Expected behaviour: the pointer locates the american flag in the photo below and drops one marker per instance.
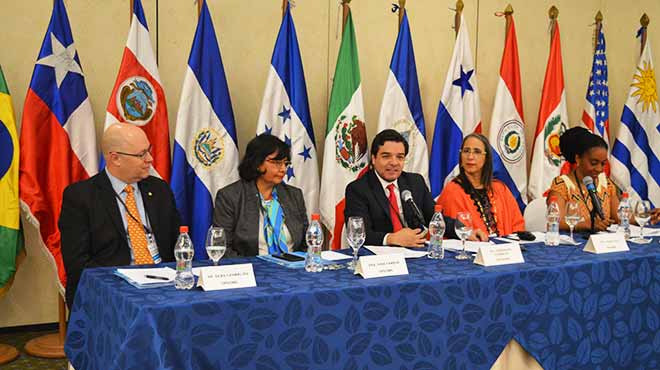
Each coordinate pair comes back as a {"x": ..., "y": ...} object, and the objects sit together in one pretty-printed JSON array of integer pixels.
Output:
[{"x": 596, "y": 116}]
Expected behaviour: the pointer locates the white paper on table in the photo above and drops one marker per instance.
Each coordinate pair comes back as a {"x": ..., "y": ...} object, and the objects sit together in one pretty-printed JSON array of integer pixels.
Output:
[
  {"x": 407, "y": 253},
  {"x": 635, "y": 230},
  {"x": 470, "y": 246},
  {"x": 334, "y": 256},
  {"x": 139, "y": 276}
]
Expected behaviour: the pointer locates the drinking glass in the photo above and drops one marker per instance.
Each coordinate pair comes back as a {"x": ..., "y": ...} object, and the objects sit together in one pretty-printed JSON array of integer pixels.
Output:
[
  {"x": 216, "y": 243},
  {"x": 463, "y": 227},
  {"x": 355, "y": 234},
  {"x": 642, "y": 216},
  {"x": 572, "y": 216}
]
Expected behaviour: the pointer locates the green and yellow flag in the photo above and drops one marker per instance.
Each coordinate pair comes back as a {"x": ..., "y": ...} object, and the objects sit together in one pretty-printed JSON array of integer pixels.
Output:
[{"x": 11, "y": 236}]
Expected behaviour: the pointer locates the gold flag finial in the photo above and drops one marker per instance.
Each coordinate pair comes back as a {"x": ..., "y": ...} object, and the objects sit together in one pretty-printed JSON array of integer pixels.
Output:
[
  {"x": 599, "y": 17},
  {"x": 553, "y": 12},
  {"x": 508, "y": 10},
  {"x": 459, "y": 5},
  {"x": 644, "y": 21}
]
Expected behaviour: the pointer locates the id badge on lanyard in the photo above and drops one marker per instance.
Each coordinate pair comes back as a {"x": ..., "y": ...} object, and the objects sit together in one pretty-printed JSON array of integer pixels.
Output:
[{"x": 153, "y": 248}]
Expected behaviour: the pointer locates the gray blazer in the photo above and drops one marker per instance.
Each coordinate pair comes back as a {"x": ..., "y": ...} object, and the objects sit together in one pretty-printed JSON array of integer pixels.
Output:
[{"x": 237, "y": 211}]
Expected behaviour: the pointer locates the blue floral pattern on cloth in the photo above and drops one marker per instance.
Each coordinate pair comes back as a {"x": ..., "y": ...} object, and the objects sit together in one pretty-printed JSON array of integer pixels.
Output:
[{"x": 567, "y": 308}]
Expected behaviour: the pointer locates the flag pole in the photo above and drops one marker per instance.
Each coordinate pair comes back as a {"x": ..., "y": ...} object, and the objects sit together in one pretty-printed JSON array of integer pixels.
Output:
[
  {"x": 644, "y": 21},
  {"x": 402, "y": 10},
  {"x": 599, "y": 26},
  {"x": 50, "y": 345},
  {"x": 508, "y": 12},
  {"x": 345, "y": 8},
  {"x": 130, "y": 11},
  {"x": 285, "y": 3},
  {"x": 553, "y": 13},
  {"x": 457, "y": 17},
  {"x": 199, "y": 7}
]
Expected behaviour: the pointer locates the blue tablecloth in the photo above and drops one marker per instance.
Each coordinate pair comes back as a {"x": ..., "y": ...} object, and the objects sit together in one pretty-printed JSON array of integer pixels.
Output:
[{"x": 567, "y": 308}]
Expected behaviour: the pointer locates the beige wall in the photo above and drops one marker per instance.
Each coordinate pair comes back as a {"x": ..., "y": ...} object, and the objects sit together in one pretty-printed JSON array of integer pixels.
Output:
[{"x": 247, "y": 29}]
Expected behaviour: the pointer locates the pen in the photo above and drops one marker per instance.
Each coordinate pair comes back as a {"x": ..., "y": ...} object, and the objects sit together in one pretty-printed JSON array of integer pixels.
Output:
[{"x": 157, "y": 277}]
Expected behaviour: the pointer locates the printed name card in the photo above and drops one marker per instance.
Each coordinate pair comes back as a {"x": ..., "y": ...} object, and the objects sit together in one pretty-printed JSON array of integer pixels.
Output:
[
  {"x": 606, "y": 243},
  {"x": 381, "y": 265},
  {"x": 499, "y": 254},
  {"x": 227, "y": 277}
]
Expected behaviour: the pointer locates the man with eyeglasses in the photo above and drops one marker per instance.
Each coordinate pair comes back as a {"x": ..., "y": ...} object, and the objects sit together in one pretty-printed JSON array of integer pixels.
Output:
[{"x": 120, "y": 216}]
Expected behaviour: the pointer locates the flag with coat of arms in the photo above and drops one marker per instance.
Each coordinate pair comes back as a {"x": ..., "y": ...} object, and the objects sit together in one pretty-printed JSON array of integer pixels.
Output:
[
  {"x": 58, "y": 136},
  {"x": 459, "y": 113},
  {"x": 138, "y": 96},
  {"x": 552, "y": 121},
  {"x": 401, "y": 108},
  {"x": 285, "y": 112},
  {"x": 345, "y": 155},
  {"x": 507, "y": 126},
  {"x": 634, "y": 162},
  {"x": 205, "y": 157}
]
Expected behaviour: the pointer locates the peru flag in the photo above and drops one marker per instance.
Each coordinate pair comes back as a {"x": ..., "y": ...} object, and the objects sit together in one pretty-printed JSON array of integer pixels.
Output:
[
  {"x": 138, "y": 96},
  {"x": 58, "y": 139}
]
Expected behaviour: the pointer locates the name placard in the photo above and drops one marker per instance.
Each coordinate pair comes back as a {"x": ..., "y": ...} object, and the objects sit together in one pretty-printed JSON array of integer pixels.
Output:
[
  {"x": 381, "y": 265},
  {"x": 606, "y": 243},
  {"x": 499, "y": 254},
  {"x": 227, "y": 277}
]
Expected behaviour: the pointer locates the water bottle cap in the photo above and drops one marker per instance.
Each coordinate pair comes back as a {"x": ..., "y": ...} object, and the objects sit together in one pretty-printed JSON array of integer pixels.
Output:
[
  {"x": 183, "y": 229},
  {"x": 316, "y": 217},
  {"x": 438, "y": 208},
  {"x": 625, "y": 195}
]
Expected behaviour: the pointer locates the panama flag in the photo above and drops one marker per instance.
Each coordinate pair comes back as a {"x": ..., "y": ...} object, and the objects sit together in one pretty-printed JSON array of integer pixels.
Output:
[
  {"x": 138, "y": 96},
  {"x": 11, "y": 235},
  {"x": 402, "y": 106},
  {"x": 634, "y": 163},
  {"x": 58, "y": 139},
  {"x": 205, "y": 147},
  {"x": 546, "y": 156},
  {"x": 345, "y": 155},
  {"x": 507, "y": 127},
  {"x": 458, "y": 113},
  {"x": 285, "y": 112}
]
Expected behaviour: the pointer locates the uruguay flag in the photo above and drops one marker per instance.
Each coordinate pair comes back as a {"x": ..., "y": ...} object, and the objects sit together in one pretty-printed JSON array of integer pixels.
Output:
[
  {"x": 458, "y": 114},
  {"x": 205, "y": 147},
  {"x": 58, "y": 139},
  {"x": 285, "y": 112},
  {"x": 634, "y": 164},
  {"x": 507, "y": 127},
  {"x": 401, "y": 109},
  {"x": 138, "y": 96}
]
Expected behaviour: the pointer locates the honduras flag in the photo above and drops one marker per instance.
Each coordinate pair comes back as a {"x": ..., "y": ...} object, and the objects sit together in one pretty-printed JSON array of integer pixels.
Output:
[
  {"x": 285, "y": 112},
  {"x": 401, "y": 109},
  {"x": 634, "y": 163},
  {"x": 205, "y": 147},
  {"x": 507, "y": 130},
  {"x": 458, "y": 114}
]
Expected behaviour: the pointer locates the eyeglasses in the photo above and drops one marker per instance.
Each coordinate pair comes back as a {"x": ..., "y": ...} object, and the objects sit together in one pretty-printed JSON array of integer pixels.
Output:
[
  {"x": 279, "y": 162},
  {"x": 468, "y": 151},
  {"x": 142, "y": 155}
]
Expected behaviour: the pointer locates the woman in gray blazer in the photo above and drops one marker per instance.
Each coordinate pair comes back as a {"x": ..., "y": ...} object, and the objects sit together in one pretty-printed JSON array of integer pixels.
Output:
[{"x": 260, "y": 213}]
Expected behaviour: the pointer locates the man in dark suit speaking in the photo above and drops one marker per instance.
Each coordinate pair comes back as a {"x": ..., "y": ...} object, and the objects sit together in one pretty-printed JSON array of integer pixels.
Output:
[
  {"x": 120, "y": 216},
  {"x": 379, "y": 197}
]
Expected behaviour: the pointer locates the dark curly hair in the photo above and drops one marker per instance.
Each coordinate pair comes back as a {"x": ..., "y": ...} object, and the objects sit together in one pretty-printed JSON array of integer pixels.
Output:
[
  {"x": 256, "y": 152},
  {"x": 578, "y": 140}
]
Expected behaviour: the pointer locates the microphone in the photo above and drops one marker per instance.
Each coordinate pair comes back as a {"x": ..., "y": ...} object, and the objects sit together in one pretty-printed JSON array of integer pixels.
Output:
[
  {"x": 406, "y": 196},
  {"x": 595, "y": 201}
]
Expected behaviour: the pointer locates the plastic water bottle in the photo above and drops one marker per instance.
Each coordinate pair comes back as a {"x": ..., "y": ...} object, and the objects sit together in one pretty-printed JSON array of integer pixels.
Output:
[
  {"x": 183, "y": 252},
  {"x": 314, "y": 238},
  {"x": 552, "y": 223},
  {"x": 437, "y": 231},
  {"x": 624, "y": 212}
]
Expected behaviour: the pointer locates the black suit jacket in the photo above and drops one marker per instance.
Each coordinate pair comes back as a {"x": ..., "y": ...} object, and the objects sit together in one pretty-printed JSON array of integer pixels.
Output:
[
  {"x": 92, "y": 230},
  {"x": 237, "y": 208},
  {"x": 365, "y": 197}
]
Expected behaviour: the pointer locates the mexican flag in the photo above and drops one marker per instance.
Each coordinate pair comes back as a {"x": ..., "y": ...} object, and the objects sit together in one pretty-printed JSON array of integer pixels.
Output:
[
  {"x": 345, "y": 155},
  {"x": 11, "y": 237},
  {"x": 547, "y": 161}
]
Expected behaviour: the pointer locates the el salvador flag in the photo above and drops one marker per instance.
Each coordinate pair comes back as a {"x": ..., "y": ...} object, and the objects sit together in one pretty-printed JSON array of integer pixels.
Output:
[
  {"x": 285, "y": 112},
  {"x": 458, "y": 113},
  {"x": 205, "y": 147}
]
